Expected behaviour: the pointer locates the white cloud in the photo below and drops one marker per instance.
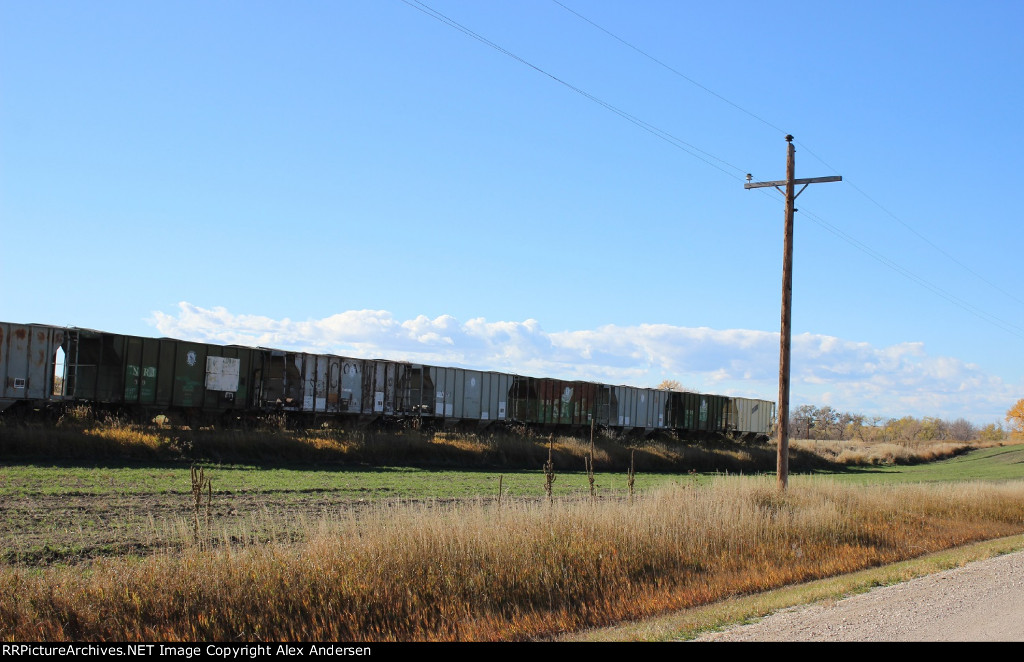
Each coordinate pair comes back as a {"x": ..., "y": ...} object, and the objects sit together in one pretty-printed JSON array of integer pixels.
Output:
[{"x": 897, "y": 380}]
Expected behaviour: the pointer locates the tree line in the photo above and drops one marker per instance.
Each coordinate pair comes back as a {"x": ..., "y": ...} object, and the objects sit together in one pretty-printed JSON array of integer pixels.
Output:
[{"x": 811, "y": 422}]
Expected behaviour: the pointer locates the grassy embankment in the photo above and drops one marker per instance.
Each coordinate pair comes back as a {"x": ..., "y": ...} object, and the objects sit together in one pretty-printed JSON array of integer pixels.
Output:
[
  {"x": 78, "y": 437},
  {"x": 88, "y": 441}
]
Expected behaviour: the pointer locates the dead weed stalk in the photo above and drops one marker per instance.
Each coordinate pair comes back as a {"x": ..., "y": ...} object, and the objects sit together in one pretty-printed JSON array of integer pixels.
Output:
[{"x": 200, "y": 484}]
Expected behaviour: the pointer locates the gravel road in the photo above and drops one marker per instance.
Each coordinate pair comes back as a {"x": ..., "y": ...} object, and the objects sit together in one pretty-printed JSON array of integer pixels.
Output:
[{"x": 982, "y": 601}]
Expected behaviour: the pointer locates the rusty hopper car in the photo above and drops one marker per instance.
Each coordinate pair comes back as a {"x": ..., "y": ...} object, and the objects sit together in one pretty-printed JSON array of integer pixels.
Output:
[
  {"x": 46, "y": 367},
  {"x": 27, "y": 371}
]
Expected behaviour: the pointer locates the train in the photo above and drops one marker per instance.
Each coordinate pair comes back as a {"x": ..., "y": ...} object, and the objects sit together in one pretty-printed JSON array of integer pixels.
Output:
[{"x": 44, "y": 369}]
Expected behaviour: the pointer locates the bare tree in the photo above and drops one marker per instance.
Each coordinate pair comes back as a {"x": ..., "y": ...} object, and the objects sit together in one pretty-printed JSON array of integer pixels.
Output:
[
  {"x": 855, "y": 427},
  {"x": 962, "y": 430},
  {"x": 825, "y": 423},
  {"x": 802, "y": 420}
]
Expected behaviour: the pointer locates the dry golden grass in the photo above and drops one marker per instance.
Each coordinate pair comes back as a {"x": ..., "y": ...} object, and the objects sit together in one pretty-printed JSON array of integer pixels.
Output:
[
  {"x": 527, "y": 570},
  {"x": 130, "y": 438},
  {"x": 861, "y": 453}
]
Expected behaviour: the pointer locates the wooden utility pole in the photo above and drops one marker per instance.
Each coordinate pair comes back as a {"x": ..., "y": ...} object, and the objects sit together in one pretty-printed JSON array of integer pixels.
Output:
[{"x": 782, "y": 462}]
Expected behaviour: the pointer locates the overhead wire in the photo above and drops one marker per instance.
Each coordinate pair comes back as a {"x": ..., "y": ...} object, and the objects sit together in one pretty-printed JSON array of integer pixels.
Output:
[
  {"x": 714, "y": 161},
  {"x": 860, "y": 245},
  {"x": 910, "y": 228},
  {"x": 998, "y": 322},
  {"x": 694, "y": 151},
  {"x": 667, "y": 66}
]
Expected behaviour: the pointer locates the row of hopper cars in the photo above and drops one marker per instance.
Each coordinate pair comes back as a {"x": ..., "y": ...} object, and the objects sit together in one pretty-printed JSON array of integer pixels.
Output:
[{"x": 44, "y": 368}]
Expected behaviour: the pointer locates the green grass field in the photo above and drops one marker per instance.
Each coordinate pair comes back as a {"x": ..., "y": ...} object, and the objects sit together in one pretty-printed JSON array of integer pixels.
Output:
[
  {"x": 26, "y": 480},
  {"x": 996, "y": 463},
  {"x": 346, "y": 482}
]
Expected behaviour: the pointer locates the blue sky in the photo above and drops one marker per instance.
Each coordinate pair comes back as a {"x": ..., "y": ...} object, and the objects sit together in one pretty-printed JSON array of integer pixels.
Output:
[{"x": 363, "y": 178}]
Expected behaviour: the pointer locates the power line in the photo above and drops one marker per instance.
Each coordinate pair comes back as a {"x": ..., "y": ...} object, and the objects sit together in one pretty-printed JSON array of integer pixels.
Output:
[
  {"x": 666, "y": 66},
  {"x": 690, "y": 149},
  {"x": 704, "y": 156},
  {"x": 919, "y": 235},
  {"x": 967, "y": 306},
  {"x": 935, "y": 289}
]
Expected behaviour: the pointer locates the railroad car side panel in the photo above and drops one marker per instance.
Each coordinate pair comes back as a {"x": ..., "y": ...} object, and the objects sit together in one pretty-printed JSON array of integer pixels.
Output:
[
  {"x": 472, "y": 395},
  {"x": 494, "y": 396},
  {"x": 28, "y": 362}
]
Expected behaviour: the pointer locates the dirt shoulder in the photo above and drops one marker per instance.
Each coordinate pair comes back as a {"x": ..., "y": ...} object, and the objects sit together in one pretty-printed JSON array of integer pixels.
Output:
[
  {"x": 969, "y": 593},
  {"x": 982, "y": 601}
]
